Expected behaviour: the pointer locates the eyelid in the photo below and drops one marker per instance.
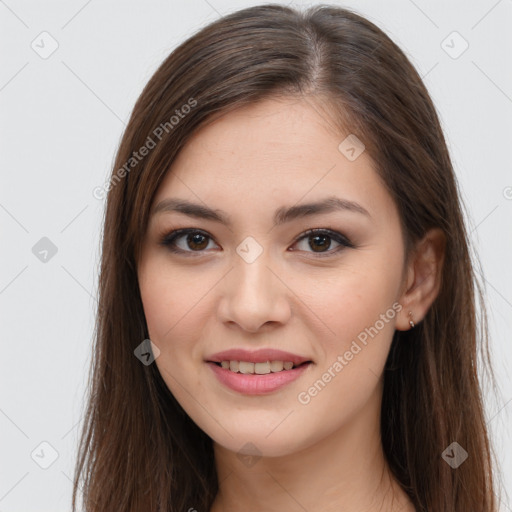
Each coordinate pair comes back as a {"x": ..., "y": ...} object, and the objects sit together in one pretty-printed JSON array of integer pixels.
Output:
[{"x": 169, "y": 237}]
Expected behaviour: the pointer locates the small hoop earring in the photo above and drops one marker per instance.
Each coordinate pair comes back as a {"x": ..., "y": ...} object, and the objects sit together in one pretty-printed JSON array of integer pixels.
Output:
[{"x": 411, "y": 323}]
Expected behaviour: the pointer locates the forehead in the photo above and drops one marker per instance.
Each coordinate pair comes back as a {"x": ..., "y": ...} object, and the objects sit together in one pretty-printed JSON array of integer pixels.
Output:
[
  {"x": 271, "y": 152},
  {"x": 275, "y": 128}
]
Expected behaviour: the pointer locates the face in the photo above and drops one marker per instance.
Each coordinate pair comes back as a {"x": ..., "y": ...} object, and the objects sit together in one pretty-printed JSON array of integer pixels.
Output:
[{"x": 257, "y": 280}]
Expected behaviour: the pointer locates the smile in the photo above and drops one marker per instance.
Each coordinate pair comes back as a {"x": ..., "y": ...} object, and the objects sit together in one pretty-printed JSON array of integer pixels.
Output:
[
  {"x": 257, "y": 378},
  {"x": 257, "y": 368}
]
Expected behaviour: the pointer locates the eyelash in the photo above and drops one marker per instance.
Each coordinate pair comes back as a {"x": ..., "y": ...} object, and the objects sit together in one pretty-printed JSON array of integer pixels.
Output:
[{"x": 169, "y": 239}]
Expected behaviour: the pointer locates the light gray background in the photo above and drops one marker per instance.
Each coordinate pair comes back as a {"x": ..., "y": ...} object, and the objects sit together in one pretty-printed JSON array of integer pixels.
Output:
[{"x": 61, "y": 120}]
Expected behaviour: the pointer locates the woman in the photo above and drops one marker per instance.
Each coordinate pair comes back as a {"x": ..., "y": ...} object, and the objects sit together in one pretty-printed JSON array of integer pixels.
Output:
[{"x": 287, "y": 318}]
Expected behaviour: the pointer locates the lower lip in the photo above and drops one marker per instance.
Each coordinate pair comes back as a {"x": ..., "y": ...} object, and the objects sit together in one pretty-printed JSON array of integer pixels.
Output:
[{"x": 254, "y": 384}]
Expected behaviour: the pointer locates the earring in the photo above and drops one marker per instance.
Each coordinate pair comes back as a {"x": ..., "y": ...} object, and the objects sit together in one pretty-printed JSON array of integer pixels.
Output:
[{"x": 411, "y": 323}]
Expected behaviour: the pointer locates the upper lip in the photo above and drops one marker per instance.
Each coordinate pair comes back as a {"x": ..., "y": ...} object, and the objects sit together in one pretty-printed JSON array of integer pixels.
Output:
[{"x": 256, "y": 356}]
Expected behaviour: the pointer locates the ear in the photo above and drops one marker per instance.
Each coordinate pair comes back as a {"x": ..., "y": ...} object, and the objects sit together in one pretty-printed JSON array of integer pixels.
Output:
[{"x": 422, "y": 278}]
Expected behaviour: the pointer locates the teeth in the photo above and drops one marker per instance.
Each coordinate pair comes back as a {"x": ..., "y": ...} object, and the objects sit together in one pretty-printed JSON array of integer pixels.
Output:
[
  {"x": 276, "y": 366},
  {"x": 262, "y": 368},
  {"x": 244, "y": 367},
  {"x": 257, "y": 368}
]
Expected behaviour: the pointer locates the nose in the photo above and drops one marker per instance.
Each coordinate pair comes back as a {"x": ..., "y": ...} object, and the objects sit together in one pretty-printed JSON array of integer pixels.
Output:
[{"x": 254, "y": 295}]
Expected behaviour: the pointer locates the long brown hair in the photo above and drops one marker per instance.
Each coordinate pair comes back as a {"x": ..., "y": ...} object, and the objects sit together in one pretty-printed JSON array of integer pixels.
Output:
[{"x": 139, "y": 450}]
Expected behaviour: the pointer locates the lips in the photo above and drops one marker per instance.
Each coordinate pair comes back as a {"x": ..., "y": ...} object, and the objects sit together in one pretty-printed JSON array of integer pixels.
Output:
[
  {"x": 257, "y": 356},
  {"x": 254, "y": 384}
]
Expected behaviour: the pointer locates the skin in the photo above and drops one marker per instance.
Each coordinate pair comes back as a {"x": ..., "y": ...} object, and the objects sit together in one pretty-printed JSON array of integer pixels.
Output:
[{"x": 325, "y": 455}]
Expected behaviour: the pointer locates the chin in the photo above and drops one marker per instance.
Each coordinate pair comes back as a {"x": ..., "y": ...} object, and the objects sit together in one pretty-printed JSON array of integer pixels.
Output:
[{"x": 259, "y": 443}]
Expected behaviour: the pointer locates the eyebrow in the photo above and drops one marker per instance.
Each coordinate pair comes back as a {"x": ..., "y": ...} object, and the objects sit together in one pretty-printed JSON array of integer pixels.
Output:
[{"x": 281, "y": 216}]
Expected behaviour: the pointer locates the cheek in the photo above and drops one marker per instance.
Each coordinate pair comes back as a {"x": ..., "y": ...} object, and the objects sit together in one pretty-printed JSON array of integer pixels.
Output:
[
  {"x": 360, "y": 312},
  {"x": 168, "y": 307},
  {"x": 167, "y": 296},
  {"x": 352, "y": 300},
  {"x": 159, "y": 307},
  {"x": 177, "y": 307}
]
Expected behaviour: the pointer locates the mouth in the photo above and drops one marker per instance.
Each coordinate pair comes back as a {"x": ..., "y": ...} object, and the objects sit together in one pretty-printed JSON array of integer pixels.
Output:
[
  {"x": 257, "y": 372},
  {"x": 258, "y": 368},
  {"x": 261, "y": 378}
]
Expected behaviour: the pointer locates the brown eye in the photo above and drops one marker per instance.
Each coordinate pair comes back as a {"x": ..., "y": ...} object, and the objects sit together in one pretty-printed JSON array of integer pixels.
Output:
[
  {"x": 320, "y": 241},
  {"x": 323, "y": 242},
  {"x": 196, "y": 241},
  {"x": 193, "y": 241}
]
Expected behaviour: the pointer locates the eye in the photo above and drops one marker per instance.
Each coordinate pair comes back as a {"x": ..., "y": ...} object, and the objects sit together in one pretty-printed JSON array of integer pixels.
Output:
[
  {"x": 195, "y": 238},
  {"x": 195, "y": 241},
  {"x": 321, "y": 239}
]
